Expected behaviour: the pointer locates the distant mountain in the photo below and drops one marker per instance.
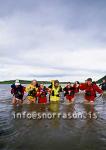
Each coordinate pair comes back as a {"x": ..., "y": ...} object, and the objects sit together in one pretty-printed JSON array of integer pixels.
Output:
[
  {"x": 100, "y": 80},
  {"x": 26, "y": 82},
  {"x": 12, "y": 81},
  {"x": 22, "y": 82},
  {"x": 44, "y": 82}
]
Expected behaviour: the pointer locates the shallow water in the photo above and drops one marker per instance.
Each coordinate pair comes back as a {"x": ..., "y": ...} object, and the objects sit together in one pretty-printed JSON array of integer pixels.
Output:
[{"x": 48, "y": 134}]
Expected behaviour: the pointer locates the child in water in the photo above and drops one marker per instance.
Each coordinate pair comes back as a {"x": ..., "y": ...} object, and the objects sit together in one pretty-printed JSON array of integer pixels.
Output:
[
  {"x": 41, "y": 93},
  {"x": 69, "y": 92},
  {"x": 18, "y": 92}
]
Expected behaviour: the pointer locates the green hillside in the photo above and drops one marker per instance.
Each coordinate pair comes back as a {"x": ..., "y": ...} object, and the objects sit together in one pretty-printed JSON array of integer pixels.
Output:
[
  {"x": 26, "y": 82},
  {"x": 44, "y": 82},
  {"x": 22, "y": 82},
  {"x": 100, "y": 80}
]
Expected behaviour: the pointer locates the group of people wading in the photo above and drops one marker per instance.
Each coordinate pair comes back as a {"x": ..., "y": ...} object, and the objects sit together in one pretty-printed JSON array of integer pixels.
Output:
[{"x": 37, "y": 93}]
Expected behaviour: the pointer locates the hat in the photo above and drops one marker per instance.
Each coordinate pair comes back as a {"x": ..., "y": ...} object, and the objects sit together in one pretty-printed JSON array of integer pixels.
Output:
[
  {"x": 89, "y": 79},
  {"x": 17, "y": 82}
]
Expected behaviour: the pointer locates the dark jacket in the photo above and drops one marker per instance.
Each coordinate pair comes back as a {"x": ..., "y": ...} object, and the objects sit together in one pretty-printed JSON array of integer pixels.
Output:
[
  {"x": 18, "y": 92},
  {"x": 69, "y": 91},
  {"x": 103, "y": 86}
]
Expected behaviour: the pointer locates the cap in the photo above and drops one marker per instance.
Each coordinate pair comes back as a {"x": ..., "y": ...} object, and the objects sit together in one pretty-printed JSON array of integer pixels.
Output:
[{"x": 17, "y": 82}]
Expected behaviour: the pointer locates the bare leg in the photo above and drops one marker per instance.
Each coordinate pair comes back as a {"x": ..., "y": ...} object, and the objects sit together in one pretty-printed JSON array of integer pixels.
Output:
[
  {"x": 14, "y": 101},
  {"x": 92, "y": 102},
  {"x": 72, "y": 100},
  {"x": 69, "y": 101},
  {"x": 20, "y": 102}
]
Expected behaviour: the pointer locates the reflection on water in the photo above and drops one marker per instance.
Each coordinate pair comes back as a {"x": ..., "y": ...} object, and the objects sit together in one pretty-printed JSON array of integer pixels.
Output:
[{"x": 87, "y": 133}]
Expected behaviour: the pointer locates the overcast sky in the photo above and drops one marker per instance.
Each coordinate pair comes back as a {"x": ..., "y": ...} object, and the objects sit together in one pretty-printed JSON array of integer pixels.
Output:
[{"x": 52, "y": 39}]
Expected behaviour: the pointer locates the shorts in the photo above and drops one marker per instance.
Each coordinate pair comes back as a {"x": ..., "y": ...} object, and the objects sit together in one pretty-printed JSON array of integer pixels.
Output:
[
  {"x": 68, "y": 97},
  {"x": 42, "y": 100}
]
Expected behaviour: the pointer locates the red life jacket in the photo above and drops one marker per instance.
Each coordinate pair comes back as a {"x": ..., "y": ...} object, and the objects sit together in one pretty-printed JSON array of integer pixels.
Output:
[
  {"x": 76, "y": 88},
  {"x": 90, "y": 90},
  {"x": 42, "y": 92}
]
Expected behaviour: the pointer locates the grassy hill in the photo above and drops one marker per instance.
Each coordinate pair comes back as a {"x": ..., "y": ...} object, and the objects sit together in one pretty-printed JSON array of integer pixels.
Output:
[
  {"x": 26, "y": 82},
  {"x": 22, "y": 82},
  {"x": 44, "y": 82},
  {"x": 100, "y": 80}
]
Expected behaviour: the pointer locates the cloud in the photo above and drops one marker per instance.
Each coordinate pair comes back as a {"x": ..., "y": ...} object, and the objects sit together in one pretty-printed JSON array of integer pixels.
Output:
[{"x": 62, "y": 40}]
